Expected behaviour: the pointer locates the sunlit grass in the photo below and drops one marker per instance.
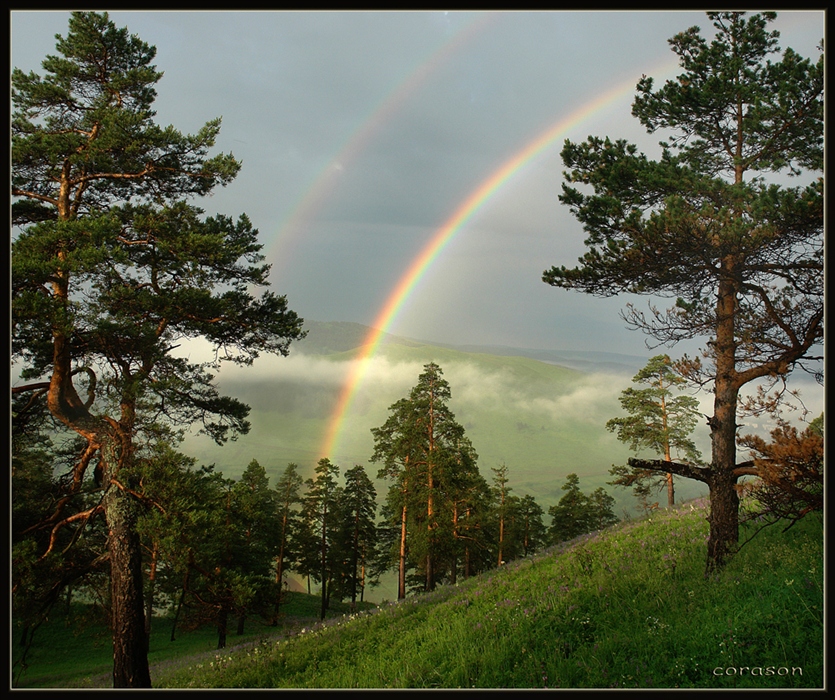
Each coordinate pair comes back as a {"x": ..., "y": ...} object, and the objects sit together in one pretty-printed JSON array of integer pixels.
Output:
[{"x": 629, "y": 607}]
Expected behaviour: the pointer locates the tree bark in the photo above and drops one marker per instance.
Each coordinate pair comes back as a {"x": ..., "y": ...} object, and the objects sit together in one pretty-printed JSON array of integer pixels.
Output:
[
  {"x": 671, "y": 492},
  {"x": 152, "y": 577},
  {"x": 130, "y": 641},
  {"x": 401, "y": 574},
  {"x": 724, "y": 501}
]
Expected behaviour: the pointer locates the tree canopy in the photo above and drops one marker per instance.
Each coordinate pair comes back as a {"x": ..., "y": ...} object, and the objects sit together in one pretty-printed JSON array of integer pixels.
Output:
[
  {"x": 710, "y": 226},
  {"x": 113, "y": 271},
  {"x": 659, "y": 420}
]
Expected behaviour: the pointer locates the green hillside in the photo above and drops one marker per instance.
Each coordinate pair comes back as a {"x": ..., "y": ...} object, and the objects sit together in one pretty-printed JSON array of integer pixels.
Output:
[
  {"x": 543, "y": 420},
  {"x": 628, "y": 607}
]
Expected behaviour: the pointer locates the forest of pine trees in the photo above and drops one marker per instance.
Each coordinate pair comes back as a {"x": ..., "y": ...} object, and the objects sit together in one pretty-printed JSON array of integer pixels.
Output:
[{"x": 219, "y": 551}]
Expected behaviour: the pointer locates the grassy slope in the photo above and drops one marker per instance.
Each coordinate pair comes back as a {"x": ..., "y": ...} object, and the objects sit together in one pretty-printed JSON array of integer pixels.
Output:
[
  {"x": 74, "y": 648},
  {"x": 629, "y": 607}
]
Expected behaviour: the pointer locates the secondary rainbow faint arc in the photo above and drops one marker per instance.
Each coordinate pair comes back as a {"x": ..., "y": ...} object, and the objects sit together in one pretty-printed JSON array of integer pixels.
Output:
[
  {"x": 443, "y": 235},
  {"x": 317, "y": 193}
]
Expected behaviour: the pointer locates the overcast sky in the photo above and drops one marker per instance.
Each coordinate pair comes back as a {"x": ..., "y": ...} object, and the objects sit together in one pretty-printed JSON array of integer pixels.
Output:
[{"x": 362, "y": 133}]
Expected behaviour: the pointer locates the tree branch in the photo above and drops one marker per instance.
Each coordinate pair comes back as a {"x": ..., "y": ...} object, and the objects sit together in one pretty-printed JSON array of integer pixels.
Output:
[{"x": 688, "y": 471}]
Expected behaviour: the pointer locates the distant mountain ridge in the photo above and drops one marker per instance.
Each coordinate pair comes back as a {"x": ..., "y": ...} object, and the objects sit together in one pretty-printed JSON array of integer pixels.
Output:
[{"x": 329, "y": 337}]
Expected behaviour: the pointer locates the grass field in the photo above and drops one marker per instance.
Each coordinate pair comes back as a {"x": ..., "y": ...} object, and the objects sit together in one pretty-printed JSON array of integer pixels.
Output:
[{"x": 629, "y": 607}]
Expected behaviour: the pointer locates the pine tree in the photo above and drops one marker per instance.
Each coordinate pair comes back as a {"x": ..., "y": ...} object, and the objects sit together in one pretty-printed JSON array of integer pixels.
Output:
[
  {"x": 257, "y": 518},
  {"x": 320, "y": 514},
  {"x": 112, "y": 270},
  {"x": 790, "y": 468},
  {"x": 502, "y": 494},
  {"x": 423, "y": 447},
  {"x": 359, "y": 513},
  {"x": 660, "y": 421},
  {"x": 578, "y": 514},
  {"x": 741, "y": 255},
  {"x": 533, "y": 530},
  {"x": 394, "y": 448},
  {"x": 571, "y": 516},
  {"x": 287, "y": 495}
]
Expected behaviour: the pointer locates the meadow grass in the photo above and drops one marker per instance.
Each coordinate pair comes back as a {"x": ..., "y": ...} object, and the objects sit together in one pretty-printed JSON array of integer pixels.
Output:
[
  {"x": 73, "y": 649},
  {"x": 629, "y": 607}
]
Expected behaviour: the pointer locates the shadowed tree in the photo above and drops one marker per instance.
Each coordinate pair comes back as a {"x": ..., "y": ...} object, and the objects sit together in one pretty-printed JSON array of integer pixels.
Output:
[
  {"x": 288, "y": 496},
  {"x": 395, "y": 448},
  {"x": 578, "y": 514},
  {"x": 112, "y": 271},
  {"x": 741, "y": 255},
  {"x": 501, "y": 492},
  {"x": 359, "y": 512},
  {"x": 532, "y": 530},
  {"x": 320, "y": 514},
  {"x": 256, "y": 513},
  {"x": 467, "y": 504}
]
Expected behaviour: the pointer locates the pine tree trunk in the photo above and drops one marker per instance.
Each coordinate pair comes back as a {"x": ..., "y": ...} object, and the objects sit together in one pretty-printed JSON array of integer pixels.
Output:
[
  {"x": 222, "y": 624},
  {"x": 179, "y": 607},
  {"x": 724, "y": 522},
  {"x": 324, "y": 564},
  {"x": 724, "y": 500},
  {"x": 355, "y": 562},
  {"x": 671, "y": 492},
  {"x": 152, "y": 577},
  {"x": 279, "y": 570},
  {"x": 401, "y": 581},
  {"x": 130, "y": 642}
]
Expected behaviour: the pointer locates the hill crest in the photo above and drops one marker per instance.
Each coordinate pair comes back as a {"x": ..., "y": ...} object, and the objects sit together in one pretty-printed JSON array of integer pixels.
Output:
[{"x": 331, "y": 337}]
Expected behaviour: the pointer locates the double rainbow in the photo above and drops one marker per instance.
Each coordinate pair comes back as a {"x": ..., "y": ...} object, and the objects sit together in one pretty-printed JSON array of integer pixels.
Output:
[{"x": 421, "y": 263}]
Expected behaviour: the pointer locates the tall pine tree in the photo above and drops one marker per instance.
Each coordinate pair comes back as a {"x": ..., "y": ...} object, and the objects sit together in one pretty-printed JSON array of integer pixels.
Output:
[
  {"x": 709, "y": 226},
  {"x": 112, "y": 270}
]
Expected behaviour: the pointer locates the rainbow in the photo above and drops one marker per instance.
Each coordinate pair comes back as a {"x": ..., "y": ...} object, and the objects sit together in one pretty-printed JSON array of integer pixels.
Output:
[
  {"x": 465, "y": 211},
  {"x": 291, "y": 228}
]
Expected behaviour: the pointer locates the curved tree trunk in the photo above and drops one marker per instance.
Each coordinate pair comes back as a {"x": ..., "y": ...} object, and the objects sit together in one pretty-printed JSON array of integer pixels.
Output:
[{"x": 130, "y": 640}]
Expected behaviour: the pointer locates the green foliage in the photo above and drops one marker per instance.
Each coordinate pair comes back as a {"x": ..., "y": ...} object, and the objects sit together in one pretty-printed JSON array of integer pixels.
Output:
[
  {"x": 627, "y": 608},
  {"x": 436, "y": 480},
  {"x": 320, "y": 559},
  {"x": 515, "y": 522},
  {"x": 578, "y": 514},
  {"x": 742, "y": 256},
  {"x": 660, "y": 421},
  {"x": 288, "y": 546},
  {"x": 357, "y": 536},
  {"x": 89, "y": 123},
  {"x": 112, "y": 270}
]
